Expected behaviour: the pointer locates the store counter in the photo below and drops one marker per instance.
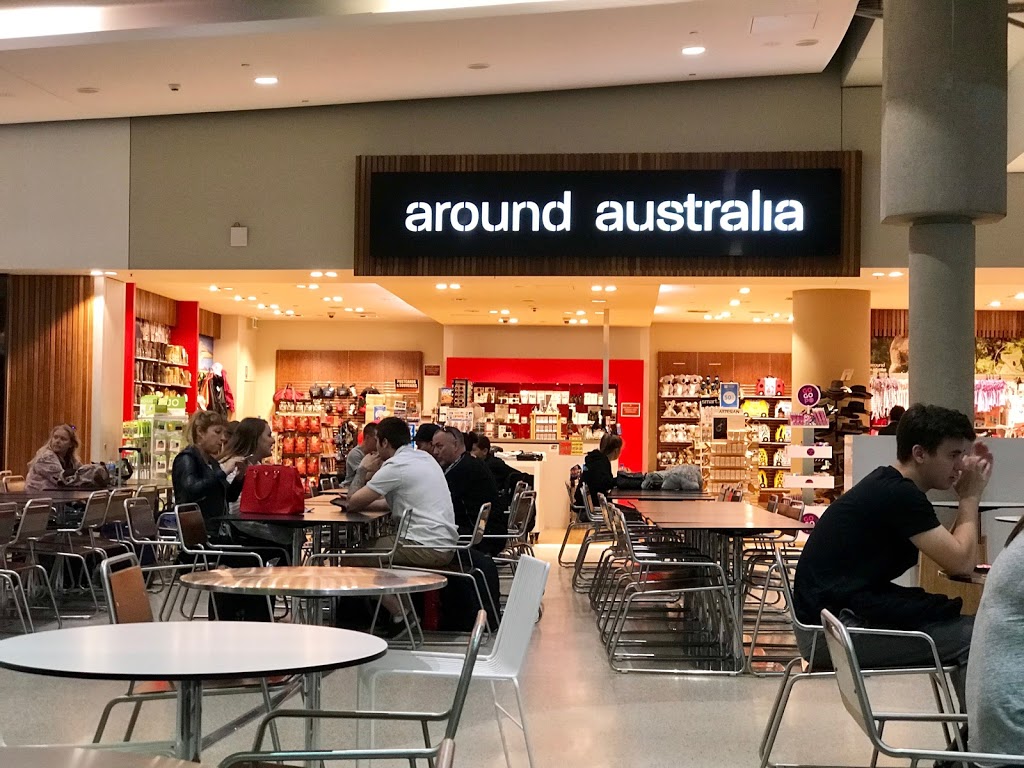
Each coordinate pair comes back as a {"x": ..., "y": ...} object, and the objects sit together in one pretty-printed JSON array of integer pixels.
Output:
[{"x": 549, "y": 478}]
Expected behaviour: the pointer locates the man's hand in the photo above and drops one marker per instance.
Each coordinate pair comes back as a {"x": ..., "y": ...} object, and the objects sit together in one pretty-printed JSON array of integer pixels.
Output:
[
  {"x": 369, "y": 465},
  {"x": 976, "y": 473}
]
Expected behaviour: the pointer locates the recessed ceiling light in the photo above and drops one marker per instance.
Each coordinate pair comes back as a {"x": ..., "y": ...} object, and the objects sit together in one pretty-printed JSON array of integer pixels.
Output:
[
  {"x": 757, "y": 319},
  {"x": 1019, "y": 296},
  {"x": 513, "y": 320},
  {"x": 707, "y": 317},
  {"x": 301, "y": 285},
  {"x": 454, "y": 286},
  {"x": 265, "y": 80},
  {"x": 895, "y": 274},
  {"x": 273, "y": 306},
  {"x": 359, "y": 309},
  {"x": 598, "y": 301},
  {"x": 505, "y": 312},
  {"x": 791, "y": 318},
  {"x": 574, "y": 321},
  {"x": 239, "y": 298},
  {"x": 878, "y": 274},
  {"x": 327, "y": 298},
  {"x": 316, "y": 274},
  {"x": 734, "y": 303},
  {"x": 599, "y": 312},
  {"x": 227, "y": 289},
  {"x": 313, "y": 287},
  {"x": 610, "y": 289},
  {"x": 337, "y": 299},
  {"x": 109, "y": 273},
  {"x": 744, "y": 291},
  {"x": 659, "y": 310},
  {"x": 277, "y": 311},
  {"x": 250, "y": 298},
  {"x": 581, "y": 312},
  {"x": 694, "y": 50},
  {"x": 776, "y": 315},
  {"x": 261, "y": 306},
  {"x": 214, "y": 288},
  {"x": 995, "y": 303},
  {"x": 97, "y": 273},
  {"x": 493, "y": 312},
  {"x": 442, "y": 286},
  {"x": 767, "y": 320},
  {"x": 727, "y": 314},
  {"x": 330, "y": 274},
  {"x": 597, "y": 287},
  {"x": 289, "y": 311},
  {"x": 584, "y": 321},
  {"x": 348, "y": 309}
]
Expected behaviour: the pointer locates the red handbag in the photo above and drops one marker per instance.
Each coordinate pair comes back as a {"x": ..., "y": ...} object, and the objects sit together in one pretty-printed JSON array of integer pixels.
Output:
[
  {"x": 287, "y": 393},
  {"x": 300, "y": 466},
  {"x": 288, "y": 445},
  {"x": 315, "y": 445},
  {"x": 300, "y": 444},
  {"x": 272, "y": 490},
  {"x": 289, "y": 424}
]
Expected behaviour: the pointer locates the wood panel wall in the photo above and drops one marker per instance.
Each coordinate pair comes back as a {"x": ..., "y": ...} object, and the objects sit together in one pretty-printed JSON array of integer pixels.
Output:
[
  {"x": 49, "y": 363},
  {"x": 209, "y": 323},
  {"x": 996, "y": 324},
  {"x": 302, "y": 368},
  {"x": 155, "y": 308},
  {"x": 844, "y": 264},
  {"x": 742, "y": 367}
]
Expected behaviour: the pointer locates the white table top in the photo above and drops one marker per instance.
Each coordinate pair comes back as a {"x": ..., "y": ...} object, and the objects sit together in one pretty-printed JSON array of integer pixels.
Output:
[
  {"x": 74, "y": 757},
  {"x": 188, "y": 650}
]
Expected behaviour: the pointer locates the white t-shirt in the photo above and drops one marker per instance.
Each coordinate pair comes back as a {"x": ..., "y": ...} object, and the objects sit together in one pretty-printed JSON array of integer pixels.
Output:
[{"x": 413, "y": 480}]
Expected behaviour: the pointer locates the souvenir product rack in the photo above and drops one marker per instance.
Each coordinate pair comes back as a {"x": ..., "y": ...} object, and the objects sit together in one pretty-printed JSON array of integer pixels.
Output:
[
  {"x": 728, "y": 450},
  {"x": 158, "y": 439},
  {"x": 160, "y": 367}
]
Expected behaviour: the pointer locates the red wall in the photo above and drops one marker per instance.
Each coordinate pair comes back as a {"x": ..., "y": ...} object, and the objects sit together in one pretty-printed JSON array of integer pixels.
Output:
[{"x": 627, "y": 375}]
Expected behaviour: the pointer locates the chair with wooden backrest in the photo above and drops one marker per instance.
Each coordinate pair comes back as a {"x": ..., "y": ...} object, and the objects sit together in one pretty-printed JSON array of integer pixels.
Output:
[
  {"x": 13, "y": 483},
  {"x": 142, "y": 533},
  {"x": 152, "y": 494},
  {"x": 128, "y": 603},
  {"x": 577, "y": 521}
]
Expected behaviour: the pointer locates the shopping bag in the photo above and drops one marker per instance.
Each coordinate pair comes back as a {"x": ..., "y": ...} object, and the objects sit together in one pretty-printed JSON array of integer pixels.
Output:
[{"x": 272, "y": 490}]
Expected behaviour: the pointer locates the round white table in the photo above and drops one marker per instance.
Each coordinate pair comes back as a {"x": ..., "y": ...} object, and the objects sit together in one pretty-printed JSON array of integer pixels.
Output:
[
  {"x": 188, "y": 653},
  {"x": 77, "y": 757}
]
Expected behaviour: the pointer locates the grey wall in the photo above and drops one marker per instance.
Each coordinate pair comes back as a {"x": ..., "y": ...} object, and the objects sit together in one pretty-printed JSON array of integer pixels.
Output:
[{"x": 289, "y": 175}]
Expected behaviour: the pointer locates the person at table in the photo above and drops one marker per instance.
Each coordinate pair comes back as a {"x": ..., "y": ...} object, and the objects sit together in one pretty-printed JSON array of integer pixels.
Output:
[
  {"x": 425, "y": 437},
  {"x": 873, "y": 533},
  {"x": 471, "y": 485},
  {"x": 895, "y": 414},
  {"x": 409, "y": 481},
  {"x": 597, "y": 467},
  {"x": 56, "y": 464},
  {"x": 499, "y": 469},
  {"x": 363, "y": 460},
  {"x": 252, "y": 441},
  {"x": 995, "y": 676},
  {"x": 199, "y": 478}
]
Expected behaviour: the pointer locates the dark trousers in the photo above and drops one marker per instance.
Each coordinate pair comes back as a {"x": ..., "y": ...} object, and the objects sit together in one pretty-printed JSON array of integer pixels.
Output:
[{"x": 952, "y": 641}]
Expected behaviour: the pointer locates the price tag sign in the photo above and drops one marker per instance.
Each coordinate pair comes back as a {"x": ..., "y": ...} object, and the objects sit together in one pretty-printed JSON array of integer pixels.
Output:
[{"x": 808, "y": 395}]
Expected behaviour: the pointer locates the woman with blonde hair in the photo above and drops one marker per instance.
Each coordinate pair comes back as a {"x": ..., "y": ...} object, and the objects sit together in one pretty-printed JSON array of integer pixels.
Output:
[{"x": 56, "y": 464}]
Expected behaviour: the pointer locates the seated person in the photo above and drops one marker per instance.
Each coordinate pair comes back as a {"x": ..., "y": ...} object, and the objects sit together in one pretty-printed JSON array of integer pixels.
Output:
[
  {"x": 499, "y": 469},
  {"x": 424, "y": 437},
  {"x": 253, "y": 441},
  {"x": 362, "y": 461},
  {"x": 895, "y": 414},
  {"x": 56, "y": 464},
  {"x": 471, "y": 486},
  {"x": 597, "y": 468},
  {"x": 873, "y": 533},
  {"x": 409, "y": 481},
  {"x": 995, "y": 676}
]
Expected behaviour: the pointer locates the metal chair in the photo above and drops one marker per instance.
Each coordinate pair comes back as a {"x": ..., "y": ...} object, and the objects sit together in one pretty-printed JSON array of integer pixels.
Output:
[
  {"x": 152, "y": 494},
  {"x": 19, "y": 553},
  {"x": 450, "y": 717},
  {"x": 505, "y": 662},
  {"x": 142, "y": 533},
  {"x": 11, "y": 577},
  {"x": 853, "y": 691},
  {"x": 128, "y": 603},
  {"x": 13, "y": 483},
  {"x": 794, "y": 672},
  {"x": 577, "y": 522}
]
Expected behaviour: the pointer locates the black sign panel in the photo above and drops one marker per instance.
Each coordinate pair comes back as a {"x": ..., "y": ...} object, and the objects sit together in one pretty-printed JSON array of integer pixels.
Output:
[{"x": 765, "y": 214}]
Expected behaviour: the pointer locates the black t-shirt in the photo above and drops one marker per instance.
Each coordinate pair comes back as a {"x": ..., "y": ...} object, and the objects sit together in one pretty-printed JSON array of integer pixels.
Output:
[
  {"x": 472, "y": 485},
  {"x": 860, "y": 544}
]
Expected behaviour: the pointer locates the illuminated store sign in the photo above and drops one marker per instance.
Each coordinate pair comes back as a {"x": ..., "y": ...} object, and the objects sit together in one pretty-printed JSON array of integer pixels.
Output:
[{"x": 760, "y": 213}]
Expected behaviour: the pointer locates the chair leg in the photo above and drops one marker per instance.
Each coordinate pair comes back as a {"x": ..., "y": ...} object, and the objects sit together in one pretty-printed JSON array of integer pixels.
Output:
[
  {"x": 274, "y": 736},
  {"x": 771, "y": 731},
  {"x": 522, "y": 721},
  {"x": 498, "y": 711}
]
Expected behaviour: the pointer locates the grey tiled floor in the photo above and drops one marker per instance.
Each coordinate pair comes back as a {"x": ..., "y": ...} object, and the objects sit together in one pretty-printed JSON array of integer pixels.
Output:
[{"x": 581, "y": 714}]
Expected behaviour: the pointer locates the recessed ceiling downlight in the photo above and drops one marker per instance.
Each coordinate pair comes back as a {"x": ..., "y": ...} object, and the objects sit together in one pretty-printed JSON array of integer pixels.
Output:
[{"x": 265, "y": 80}]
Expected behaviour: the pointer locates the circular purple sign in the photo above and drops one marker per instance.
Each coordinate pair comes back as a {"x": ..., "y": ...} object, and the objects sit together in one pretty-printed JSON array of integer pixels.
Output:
[{"x": 808, "y": 395}]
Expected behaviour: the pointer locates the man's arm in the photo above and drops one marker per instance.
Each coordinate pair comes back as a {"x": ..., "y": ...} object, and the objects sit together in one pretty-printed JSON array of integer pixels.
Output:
[
  {"x": 956, "y": 551},
  {"x": 366, "y": 499}
]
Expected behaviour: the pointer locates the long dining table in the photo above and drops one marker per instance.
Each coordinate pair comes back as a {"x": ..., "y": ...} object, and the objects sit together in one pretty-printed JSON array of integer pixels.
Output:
[{"x": 719, "y": 529}]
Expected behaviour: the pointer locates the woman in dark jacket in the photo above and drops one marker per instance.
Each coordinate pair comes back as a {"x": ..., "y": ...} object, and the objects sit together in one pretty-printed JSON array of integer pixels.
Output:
[
  {"x": 597, "y": 466},
  {"x": 198, "y": 478}
]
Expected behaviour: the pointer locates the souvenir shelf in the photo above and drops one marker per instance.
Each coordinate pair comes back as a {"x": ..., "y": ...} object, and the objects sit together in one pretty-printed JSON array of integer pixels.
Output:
[
  {"x": 507, "y": 410},
  {"x": 545, "y": 426},
  {"x": 159, "y": 367},
  {"x": 729, "y": 455}
]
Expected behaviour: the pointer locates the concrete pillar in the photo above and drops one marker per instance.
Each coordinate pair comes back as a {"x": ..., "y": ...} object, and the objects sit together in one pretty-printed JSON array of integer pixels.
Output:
[
  {"x": 943, "y": 168},
  {"x": 831, "y": 332},
  {"x": 942, "y": 314}
]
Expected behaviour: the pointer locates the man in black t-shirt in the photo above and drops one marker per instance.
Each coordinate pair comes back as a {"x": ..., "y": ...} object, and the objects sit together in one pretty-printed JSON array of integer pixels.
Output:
[
  {"x": 471, "y": 485},
  {"x": 873, "y": 533}
]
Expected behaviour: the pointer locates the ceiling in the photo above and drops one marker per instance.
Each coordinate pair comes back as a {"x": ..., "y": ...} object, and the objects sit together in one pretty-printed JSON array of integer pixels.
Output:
[
  {"x": 347, "y": 51},
  {"x": 550, "y": 301}
]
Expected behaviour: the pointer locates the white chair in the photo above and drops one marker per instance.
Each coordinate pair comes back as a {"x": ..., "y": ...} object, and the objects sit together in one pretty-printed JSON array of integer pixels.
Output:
[{"x": 504, "y": 663}]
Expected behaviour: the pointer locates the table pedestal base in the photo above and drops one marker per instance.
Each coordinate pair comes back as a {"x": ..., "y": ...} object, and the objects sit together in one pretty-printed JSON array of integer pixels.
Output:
[{"x": 189, "y": 721}]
